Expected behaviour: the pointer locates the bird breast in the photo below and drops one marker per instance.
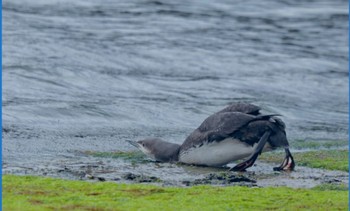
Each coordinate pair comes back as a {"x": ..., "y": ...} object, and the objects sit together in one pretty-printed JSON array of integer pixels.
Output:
[{"x": 218, "y": 153}]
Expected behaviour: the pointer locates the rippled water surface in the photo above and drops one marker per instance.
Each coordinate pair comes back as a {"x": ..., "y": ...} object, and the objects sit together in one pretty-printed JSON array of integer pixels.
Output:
[{"x": 86, "y": 75}]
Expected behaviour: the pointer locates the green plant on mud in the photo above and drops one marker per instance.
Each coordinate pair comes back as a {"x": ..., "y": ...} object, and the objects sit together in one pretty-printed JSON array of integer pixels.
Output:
[{"x": 325, "y": 159}]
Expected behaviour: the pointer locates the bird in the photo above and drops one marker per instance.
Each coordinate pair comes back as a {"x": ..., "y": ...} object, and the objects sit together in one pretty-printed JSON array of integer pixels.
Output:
[{"x": 239, "y": 131}]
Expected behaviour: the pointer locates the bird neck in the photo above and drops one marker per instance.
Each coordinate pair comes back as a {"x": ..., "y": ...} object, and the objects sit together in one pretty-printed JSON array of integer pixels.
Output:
[{"x": 165, "y": 151}]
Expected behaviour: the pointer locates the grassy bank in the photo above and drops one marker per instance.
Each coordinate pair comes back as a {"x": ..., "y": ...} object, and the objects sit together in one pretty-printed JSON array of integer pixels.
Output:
[
  {"x": 325, "y": 159},
  {"x": 38, "y": 193}
]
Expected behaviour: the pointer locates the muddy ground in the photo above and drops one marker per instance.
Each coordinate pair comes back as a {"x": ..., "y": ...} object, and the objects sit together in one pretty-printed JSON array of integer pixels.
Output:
[{"x": 81, "y": 166}]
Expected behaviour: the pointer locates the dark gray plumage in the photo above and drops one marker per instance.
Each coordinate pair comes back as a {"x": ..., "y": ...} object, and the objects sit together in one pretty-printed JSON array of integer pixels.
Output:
[
  {"x": 158, "y": 149},
  {"x": 221, "y": 125}
]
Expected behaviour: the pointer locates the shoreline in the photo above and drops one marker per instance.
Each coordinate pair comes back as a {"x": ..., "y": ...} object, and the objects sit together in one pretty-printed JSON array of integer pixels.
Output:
[
  {"x": 313, "y": 168},
  {"x": 135, "y": 184}
]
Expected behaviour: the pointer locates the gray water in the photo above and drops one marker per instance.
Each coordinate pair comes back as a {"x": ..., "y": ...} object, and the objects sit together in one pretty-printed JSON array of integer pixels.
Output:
[{"x": 87, "y": 75}]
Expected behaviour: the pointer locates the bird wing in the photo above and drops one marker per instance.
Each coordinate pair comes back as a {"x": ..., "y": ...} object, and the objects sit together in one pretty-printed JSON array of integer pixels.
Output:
[
  {"x": 225, "y": 122},
  {"x": 245, "y": 127},
  {"x": 217, "y": 127}
]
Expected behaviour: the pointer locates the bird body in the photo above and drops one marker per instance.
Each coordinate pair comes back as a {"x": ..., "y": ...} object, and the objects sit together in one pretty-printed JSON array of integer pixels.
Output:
[{"x": 236, "y": 132}]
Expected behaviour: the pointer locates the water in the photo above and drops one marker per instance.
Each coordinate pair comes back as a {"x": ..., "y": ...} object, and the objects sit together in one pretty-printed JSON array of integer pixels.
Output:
[{"x": 86, "y": 75}]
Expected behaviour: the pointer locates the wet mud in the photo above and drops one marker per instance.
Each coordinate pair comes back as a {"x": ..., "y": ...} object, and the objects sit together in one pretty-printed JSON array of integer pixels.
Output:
[{"x": 83, "y": 166}]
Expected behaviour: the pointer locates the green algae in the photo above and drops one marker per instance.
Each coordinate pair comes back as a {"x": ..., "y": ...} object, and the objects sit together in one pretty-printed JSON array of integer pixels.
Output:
[
  {"x": 325, "y": 159},
  {"x": 39, "y": 193}
]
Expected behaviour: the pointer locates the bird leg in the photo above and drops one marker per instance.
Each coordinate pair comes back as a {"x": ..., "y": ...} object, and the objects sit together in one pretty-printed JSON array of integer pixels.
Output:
[
  {"x": 248, "y": 163},
  {"x": 288, "y": 162}
]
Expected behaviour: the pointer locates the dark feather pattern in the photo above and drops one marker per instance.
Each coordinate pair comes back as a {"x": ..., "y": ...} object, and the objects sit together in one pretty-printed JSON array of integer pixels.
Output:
[{"x": 240, "y": 121}]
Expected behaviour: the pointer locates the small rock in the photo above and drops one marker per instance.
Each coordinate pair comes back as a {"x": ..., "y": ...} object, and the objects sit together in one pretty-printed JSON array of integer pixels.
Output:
[
  {"x": 102, "y": 179},
  {"x": 129, "y": 176},
  {"x": 140, "y": 178},
  {"x": 88, "y": 176},
  {"x": 221, "y": 179}
]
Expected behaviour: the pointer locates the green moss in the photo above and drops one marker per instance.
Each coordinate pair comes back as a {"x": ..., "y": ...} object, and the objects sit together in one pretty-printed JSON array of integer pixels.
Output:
[
  {"x": 309, "y": 144},
  {"x": 133, "y": 156},
  {"x": 37, "y": 193},
  {"x": 326, "y": 159}
]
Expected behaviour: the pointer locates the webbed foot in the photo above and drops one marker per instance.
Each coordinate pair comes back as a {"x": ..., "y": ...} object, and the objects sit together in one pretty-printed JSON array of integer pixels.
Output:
[{"x": 288, "y": 163}]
